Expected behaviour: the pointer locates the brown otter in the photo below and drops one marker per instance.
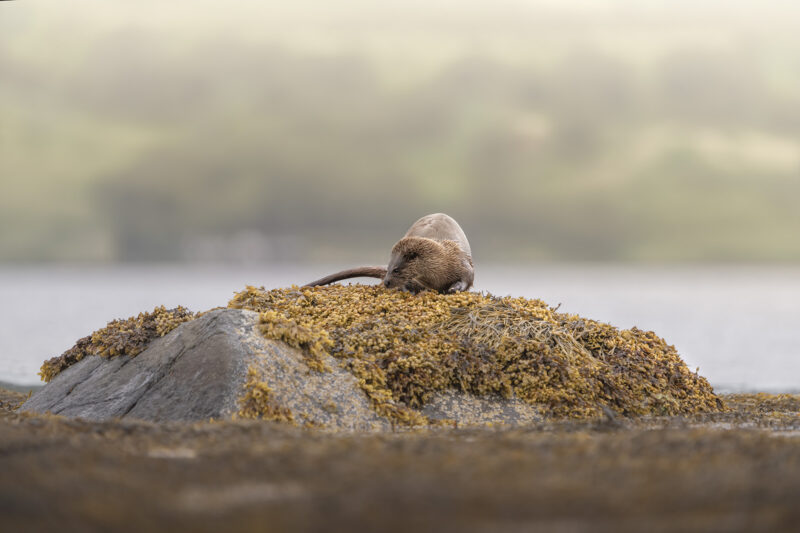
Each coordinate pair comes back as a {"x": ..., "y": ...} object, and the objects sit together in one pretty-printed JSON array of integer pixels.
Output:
[{"x": 434, "y": 254}]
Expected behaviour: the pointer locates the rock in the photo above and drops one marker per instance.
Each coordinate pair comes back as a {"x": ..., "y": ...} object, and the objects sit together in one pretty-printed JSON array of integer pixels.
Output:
[{"x": 199, "y": 371}]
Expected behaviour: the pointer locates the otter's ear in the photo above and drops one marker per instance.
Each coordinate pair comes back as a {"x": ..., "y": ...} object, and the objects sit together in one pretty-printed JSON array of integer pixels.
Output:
[{"x": 410, "y": 255}]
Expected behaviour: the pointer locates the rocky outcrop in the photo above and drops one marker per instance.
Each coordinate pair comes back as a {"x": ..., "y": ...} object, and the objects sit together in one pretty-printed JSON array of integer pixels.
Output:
[{"x": 202, "y": 369}]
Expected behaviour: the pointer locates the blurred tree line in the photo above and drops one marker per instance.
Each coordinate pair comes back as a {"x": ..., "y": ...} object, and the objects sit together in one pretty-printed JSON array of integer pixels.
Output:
[{"x": 141, "y": 145}]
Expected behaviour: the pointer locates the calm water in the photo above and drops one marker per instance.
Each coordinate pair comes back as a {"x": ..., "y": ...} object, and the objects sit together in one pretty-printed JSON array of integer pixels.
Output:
[{"x": 740, "y": 325}]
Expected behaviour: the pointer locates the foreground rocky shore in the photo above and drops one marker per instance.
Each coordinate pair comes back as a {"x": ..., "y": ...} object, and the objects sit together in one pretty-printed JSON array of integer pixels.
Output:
[{"x": 736, "y": 470}]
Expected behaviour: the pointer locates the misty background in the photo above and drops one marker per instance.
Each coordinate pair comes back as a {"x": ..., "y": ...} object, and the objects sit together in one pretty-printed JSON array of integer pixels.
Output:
[
  {"x": 636, "y": 162},
  {"x": 250, "y": 132}
]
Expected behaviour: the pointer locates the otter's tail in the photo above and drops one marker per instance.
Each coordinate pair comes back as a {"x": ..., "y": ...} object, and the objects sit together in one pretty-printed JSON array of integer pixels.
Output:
[{"x": 358, "y": 272}]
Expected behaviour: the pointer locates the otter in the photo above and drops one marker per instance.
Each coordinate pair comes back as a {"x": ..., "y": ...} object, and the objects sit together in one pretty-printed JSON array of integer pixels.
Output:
[{"x": 434, "y": 254}]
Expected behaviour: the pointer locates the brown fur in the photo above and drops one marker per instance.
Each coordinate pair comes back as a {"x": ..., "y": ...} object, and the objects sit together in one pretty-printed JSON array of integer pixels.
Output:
[{"x": 434, "y": 254}]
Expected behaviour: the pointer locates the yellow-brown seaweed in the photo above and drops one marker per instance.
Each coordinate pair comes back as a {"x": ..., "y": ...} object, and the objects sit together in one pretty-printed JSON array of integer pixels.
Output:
[
  {"x": 402, "y": 348},
  {"x": 256, "y": 402},
  {"x": 120, "y": 337}
]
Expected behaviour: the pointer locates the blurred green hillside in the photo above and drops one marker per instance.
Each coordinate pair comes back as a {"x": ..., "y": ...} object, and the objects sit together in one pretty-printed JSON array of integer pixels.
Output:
[{"x": 625, "y": 131}]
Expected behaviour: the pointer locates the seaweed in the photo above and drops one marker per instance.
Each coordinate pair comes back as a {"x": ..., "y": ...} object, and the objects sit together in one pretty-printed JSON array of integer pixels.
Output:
[
  {"x": 403, "y": 348},
  {"x": 120, "y": 337},
  {"x": 303, "y": 335},
  {"x": 256, "y": 402}
]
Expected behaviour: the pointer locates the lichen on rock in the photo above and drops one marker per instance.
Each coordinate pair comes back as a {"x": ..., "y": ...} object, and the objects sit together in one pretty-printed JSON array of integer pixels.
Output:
[
  {"x": 402, "y": 348},
  {"x": 120, "y": 337}
]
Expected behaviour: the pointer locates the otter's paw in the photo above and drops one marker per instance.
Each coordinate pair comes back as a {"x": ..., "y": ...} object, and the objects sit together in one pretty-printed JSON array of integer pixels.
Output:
[
  {"x": 457, "y": 286},
  {"x": 414, "y": 287}
]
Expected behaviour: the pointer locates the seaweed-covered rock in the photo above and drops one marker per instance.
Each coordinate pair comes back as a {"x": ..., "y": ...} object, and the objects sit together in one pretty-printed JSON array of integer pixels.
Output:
[
  {"x": 359, "y": 357},
  {"x": 409, "y": 349}
]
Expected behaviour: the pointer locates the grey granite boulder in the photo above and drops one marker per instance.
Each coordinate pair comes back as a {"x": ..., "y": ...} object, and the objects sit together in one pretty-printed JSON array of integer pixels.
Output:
[{"x": 198, "y": 371}]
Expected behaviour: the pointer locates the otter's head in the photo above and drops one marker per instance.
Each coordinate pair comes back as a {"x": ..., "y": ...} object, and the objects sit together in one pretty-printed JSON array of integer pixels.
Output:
[{"x": 407, "y": 263}]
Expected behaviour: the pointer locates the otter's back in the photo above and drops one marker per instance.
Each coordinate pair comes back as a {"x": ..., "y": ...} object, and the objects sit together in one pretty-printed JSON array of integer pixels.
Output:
[{"x": 440, "y": 227}]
